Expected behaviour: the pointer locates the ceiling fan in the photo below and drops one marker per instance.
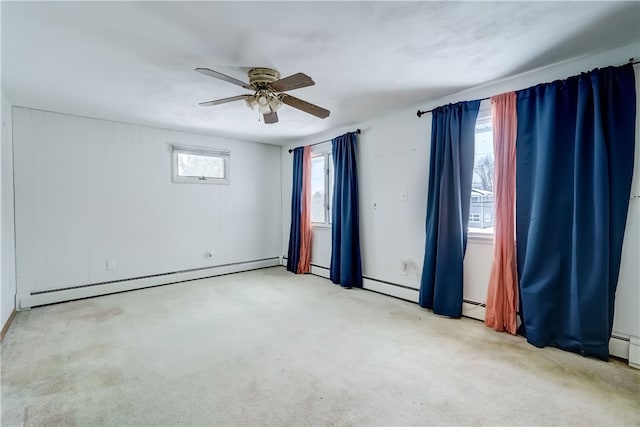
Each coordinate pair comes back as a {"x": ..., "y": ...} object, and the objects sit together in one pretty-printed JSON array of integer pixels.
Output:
[{"x": 268, "y": 92}]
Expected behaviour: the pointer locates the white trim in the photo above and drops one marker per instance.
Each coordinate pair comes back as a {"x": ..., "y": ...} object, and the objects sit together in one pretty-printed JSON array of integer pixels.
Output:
[
  {"x": 626, "y": 347},
  {"x": 320, "y": 225},
  {"x": 634, "y": 352},
  {"x": 482, "y": 238},
  {"x": 26, "y": 301},
  {"x": 320, "y": 271},
  {"x": 205, "y": 151},
  {"x": 473, "y": 311},
  {"x": 619, "y": 346},
  {"x": 391, "y": 290}
]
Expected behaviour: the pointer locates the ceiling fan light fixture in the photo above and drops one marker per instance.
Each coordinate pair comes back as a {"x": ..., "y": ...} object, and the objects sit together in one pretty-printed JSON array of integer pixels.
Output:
[{"x": 268, "y": 96}]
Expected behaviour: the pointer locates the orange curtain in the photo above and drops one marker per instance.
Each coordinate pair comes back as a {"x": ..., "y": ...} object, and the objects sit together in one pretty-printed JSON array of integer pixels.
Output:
[
  {"x": 502, "y": 296},
  {"x": 304, "y": 265}
]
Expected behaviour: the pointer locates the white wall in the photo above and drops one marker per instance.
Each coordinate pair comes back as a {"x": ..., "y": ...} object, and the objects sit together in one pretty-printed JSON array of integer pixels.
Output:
[
  {"x": 7, "y": 248},
  {"x": 394, "y": 157},
  {"x": 89, "y": 191}
]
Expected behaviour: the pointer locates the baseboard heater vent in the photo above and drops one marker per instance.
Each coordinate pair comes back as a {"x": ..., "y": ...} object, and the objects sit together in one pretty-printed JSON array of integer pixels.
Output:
[
  {"x": 618, "y": 337},
  {"x": 51, "y": 296},
  {"x": 618, "y": 345},
  {"x": 479, "y": 304},
  {"x": 153, "y": 275},
  {"x": 391, "y": 283}
]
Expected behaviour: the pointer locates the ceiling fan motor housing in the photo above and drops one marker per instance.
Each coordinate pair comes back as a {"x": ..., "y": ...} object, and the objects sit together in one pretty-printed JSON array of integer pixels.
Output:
[{"x": 261, "y": 77}]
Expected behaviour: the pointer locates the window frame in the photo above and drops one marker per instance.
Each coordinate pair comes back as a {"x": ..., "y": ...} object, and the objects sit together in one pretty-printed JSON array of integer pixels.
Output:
[
  {"x": 217, "y": 153},
  {"x": 328, "y": 191}
]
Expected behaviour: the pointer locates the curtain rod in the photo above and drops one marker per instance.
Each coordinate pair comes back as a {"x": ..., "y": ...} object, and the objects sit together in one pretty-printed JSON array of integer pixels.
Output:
[
  {"x": 358, "y": 131},
  {"x": 420, "y": 113}
]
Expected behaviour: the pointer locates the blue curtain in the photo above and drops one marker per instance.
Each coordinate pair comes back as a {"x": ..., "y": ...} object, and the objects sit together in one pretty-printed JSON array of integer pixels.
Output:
[
  {"x": 450, "y": 177},
  {"x": 574, "y": 165},
  {"x": 346, "y": 267},
  {"x": 293, "y": 255}
]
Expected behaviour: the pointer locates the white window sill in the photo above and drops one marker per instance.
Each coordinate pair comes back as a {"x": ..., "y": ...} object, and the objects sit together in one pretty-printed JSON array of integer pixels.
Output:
[
  {"x": 320, "y": 226},
  {"x": 480, "y": 238}
]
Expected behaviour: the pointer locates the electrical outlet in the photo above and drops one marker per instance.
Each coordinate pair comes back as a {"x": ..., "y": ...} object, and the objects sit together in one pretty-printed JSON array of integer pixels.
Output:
[
  {"x": 404, "y": 268},
  {"x": 111, "y": 264},
  {"x": 209, "y": 254}
]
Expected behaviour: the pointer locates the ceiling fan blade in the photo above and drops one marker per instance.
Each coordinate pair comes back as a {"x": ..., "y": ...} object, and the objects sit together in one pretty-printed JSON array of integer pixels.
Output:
[
  {"x": 295, "y": 81},
  {"x": 222, "y": 101},
  {"x": 305, "y": 106},
  {"x": 270, "y": 118},
  {"x": 224, "y": 77}
]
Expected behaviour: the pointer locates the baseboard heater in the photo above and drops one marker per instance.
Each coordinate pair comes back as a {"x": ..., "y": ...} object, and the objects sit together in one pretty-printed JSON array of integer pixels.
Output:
[
  {"x": 618, "y": 345},
  {"x": 51, "y": 296}
]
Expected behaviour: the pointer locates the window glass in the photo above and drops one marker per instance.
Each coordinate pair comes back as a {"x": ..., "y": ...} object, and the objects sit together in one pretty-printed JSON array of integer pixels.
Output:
[
  {"x": 321, "y": 188},
  {"x": 481, "y": 210},
  {"x": 200, "y": 165},
  {"x": 191, "y": 165},
  {"x": 317, "y": 189}
]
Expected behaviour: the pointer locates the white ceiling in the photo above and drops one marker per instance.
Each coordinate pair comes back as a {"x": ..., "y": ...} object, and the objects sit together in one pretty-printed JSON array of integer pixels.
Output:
[{"x": 134, "y": 61}]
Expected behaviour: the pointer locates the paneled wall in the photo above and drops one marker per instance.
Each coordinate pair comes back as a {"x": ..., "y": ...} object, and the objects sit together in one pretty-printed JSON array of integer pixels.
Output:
[{"x": 95, "y": 203}]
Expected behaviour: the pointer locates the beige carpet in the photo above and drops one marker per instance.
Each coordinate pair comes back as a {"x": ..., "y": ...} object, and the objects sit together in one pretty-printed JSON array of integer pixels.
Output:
[{"x": 270, "y": 348}]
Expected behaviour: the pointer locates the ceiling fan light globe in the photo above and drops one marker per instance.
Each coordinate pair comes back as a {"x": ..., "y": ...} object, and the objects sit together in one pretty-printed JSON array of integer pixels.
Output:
[
  {"x": 275, "y": 103},
  {"x": 262, "y": 100},
  {"x": 264, "y": 109}
]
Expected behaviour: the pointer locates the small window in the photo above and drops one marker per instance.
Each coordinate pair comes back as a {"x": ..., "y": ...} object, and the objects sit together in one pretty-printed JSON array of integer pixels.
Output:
[
  {"x": 321, "y": 188},
  {"x": 481, "y": 208},
  {"x": 200, "y": 165}
]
